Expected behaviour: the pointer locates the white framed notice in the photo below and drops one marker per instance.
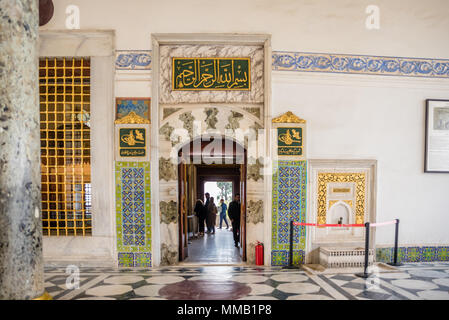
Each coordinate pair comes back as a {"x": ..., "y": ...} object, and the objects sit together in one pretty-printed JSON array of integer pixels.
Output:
[{"x": 437, "y": 136}]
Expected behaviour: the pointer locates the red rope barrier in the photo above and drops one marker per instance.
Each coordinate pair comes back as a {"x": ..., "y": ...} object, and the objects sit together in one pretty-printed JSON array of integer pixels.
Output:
[
  {"x": 378, "y": 224},
  {"x": 327, "y": 225}
]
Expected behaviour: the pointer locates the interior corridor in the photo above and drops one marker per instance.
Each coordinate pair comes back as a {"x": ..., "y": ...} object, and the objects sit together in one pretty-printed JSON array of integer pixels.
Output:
[{"x": 215, "y": 248}]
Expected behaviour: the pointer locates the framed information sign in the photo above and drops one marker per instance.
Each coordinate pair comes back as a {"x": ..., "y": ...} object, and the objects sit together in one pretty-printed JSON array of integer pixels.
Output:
[{"x": 437, "y": 136}]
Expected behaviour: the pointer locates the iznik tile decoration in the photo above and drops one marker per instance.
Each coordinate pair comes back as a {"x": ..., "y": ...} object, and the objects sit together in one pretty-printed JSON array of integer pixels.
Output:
[
  {"x": 414, "y": 254},
  {"x": 133, "y": 60},
  {"x": 288, "y": 203},
  {"x": 360, "y": 64},
  {"x": 322, "y": 62},
  {"x": 140, "y": 106},
  {"x": 133, "y": 213}
]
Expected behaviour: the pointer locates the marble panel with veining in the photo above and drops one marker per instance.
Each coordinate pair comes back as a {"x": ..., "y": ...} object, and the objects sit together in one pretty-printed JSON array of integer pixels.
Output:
[{"x": 255, "y": 53}]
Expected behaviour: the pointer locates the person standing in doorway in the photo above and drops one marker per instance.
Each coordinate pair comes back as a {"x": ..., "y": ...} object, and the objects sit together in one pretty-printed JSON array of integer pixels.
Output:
[
  {"x": 211, "y": 216},
  {"x": 207, "y": 195},
  {"x": 234, "y": 215},
  {"x": 199, "y": 210},
  {"x": 222, "y": 209},
  {"x": 206, "y": 209}
]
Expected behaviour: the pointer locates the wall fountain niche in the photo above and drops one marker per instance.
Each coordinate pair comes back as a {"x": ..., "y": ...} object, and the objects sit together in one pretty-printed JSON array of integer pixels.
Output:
[{"x": 342, "y": 192}]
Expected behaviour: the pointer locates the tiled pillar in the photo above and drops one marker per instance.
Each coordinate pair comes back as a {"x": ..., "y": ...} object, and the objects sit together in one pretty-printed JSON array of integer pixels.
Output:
[
  {"x": 21, "y": 262},
  {"x": 289, "y": 187},
  {"x": 132, "y": 187}
]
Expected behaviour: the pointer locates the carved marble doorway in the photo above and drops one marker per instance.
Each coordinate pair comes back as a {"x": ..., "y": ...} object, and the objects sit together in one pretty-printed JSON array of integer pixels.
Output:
[{"x": 198, "y": 165}]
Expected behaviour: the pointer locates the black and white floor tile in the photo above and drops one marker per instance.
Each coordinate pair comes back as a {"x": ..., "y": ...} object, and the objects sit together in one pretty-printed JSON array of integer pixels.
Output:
[{"x": 410, "y": 281}]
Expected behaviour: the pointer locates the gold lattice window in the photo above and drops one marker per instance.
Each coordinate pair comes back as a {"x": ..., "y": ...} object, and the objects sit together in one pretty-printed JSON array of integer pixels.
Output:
[{"x": 64, "y": 86}]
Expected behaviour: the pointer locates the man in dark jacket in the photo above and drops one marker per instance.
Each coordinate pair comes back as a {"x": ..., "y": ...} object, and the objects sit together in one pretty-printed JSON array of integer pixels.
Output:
[
  {"x": 207, "y": 195},
  {"x": 199, "y": 210},
  {"x": 205, "y": 209},
  {"x": 234, "y": 215}
]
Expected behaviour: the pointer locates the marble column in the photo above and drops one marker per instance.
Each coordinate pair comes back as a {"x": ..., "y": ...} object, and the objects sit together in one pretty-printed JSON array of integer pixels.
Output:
[{"x": 21, "y": 262}]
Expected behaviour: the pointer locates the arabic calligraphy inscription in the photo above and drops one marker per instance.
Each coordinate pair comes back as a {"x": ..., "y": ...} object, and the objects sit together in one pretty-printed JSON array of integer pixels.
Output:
[
  {"x": 132, "y": 142},
  {"x": 211, "y": 74},
  {"x": 290, "y": 141}
]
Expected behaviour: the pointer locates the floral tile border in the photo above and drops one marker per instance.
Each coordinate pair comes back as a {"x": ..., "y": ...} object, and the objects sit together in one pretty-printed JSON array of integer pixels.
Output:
[{"x": 320, "y": 62}]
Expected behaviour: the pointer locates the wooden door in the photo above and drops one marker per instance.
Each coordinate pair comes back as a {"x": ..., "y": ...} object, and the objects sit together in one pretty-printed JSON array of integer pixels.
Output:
[
  {"x": 243, "y": 209},
  {"x": 183, "y": 227}
]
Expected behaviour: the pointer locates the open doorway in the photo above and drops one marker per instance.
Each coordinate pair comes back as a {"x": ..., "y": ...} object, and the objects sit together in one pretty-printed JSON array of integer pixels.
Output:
[
  {"x": 224, "y": 180},
  {"x": 216, "y": 245}
]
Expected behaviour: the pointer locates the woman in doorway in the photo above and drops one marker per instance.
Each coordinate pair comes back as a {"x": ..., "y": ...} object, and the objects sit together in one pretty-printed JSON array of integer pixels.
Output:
[
  {"x": 211, "y": 216},
  {"x": 200, "y": 213}
]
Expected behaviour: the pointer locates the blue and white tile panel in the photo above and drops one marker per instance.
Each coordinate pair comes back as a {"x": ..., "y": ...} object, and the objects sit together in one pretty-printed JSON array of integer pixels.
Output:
[{"x": 320, "y": 62}]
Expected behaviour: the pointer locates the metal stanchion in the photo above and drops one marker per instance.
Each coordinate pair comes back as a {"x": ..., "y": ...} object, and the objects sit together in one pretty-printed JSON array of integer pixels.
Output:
[
  {"x": 290, "y": 256},
  {"x": 365, "y": 271},
  {"x": 396, "y": 240}
]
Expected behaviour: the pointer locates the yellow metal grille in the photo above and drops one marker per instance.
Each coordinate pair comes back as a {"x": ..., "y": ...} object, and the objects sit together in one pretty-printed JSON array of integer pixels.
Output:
[{"x": 64, "y": 86}]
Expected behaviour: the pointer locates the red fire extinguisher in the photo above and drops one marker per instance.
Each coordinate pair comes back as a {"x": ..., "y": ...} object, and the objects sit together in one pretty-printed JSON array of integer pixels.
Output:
[{"x": 259, "y": 253}]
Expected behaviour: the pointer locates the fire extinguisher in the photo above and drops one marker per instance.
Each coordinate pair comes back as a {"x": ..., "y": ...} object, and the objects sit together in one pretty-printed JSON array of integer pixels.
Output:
[{"x": 259, "y": 253}]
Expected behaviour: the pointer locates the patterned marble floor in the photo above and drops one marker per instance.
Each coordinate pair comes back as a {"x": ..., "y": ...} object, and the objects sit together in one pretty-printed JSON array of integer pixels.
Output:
[{"x": 410, "y": 282}]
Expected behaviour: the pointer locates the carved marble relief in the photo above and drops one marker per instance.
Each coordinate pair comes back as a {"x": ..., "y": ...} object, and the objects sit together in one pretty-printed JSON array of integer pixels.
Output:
[
  {"x": 211, "y": 117},
  {"x": 255, "y": 211},
  {"x": 256, "y": 127},
  {"x": 166, "y": 130},
  {"x": 234, "y": 120},
  {"x": 250, "y": 252},
  {"x": 169, "y": 255},
  {"x": 167, "y": 170},
  {"x": 169, "y": 111},
  {"x": 169, "y": 211},
  {"x": 254, "y": 111},
  {"x": 214, "y": 109},
  {"x": 254, "y": 169},
  {"x": 187, "y": 119},
  {"x": 252, "y": 134}
]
